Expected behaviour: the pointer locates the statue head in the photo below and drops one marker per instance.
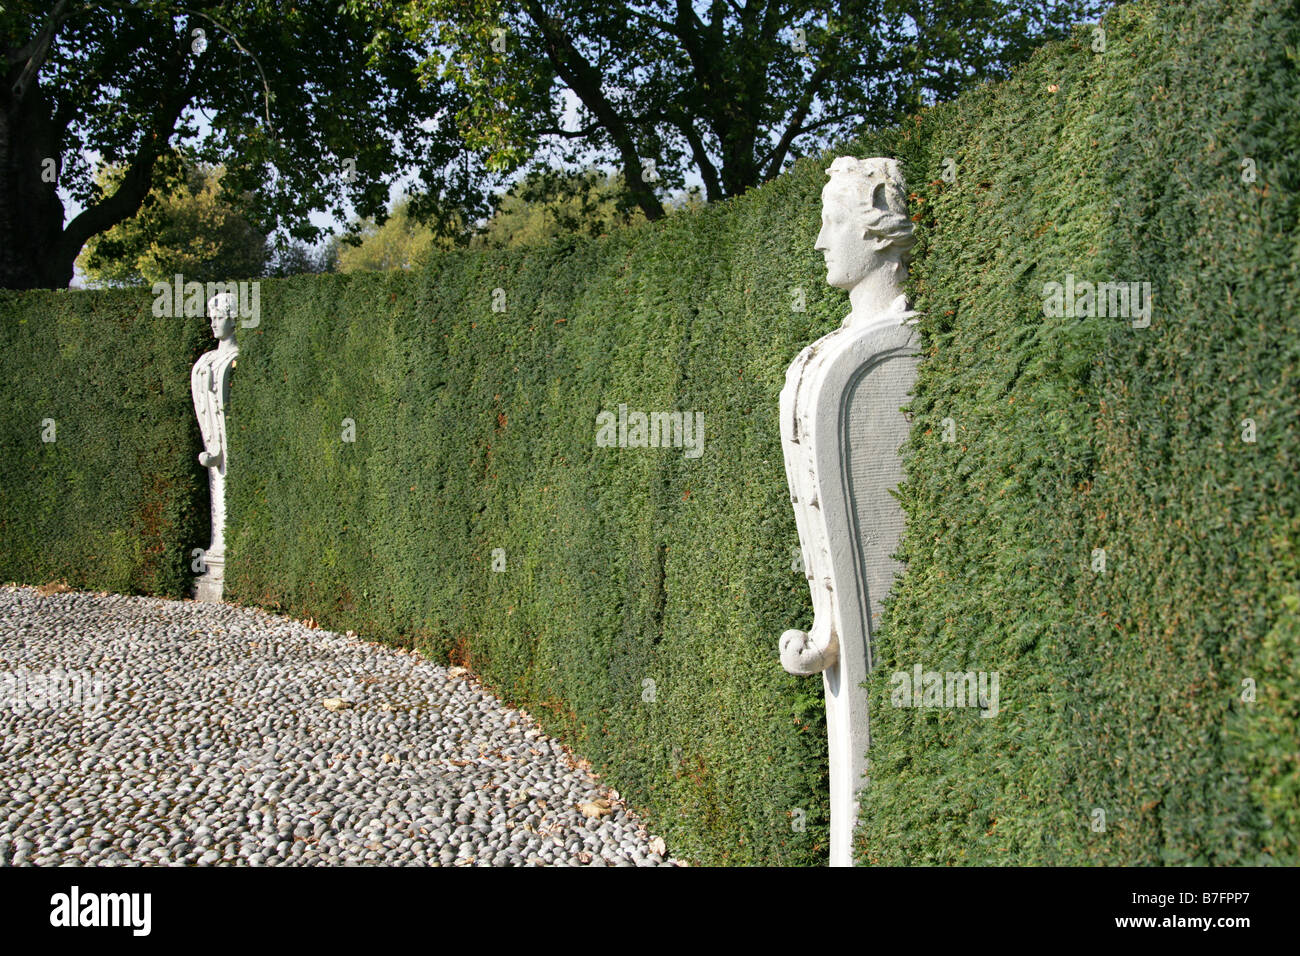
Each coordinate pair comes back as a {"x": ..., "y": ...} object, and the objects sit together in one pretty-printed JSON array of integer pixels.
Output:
[
  {"x": 865, "y": 224},
  {"x": 223, "y": 309}
]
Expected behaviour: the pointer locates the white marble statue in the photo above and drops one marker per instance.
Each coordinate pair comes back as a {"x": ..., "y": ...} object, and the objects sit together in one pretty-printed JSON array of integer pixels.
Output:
[
  {"x": 841, "y": 430},
  {"x": 210, "y": 387}
]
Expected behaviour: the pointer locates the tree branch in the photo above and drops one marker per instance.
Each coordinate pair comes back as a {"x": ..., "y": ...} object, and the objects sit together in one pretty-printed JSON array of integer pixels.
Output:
[
  {"x": 569, "y": 133},
  {"x": 708, "y": 172},
  {"x": 585, "y": 81},
  {"x": 266, "y": 87},
  {"x": 37, "y": 50},
  {"x": 794, "y": 127},
  {"x": 666, "y": 25},
  {"x": 126, "y": 200}
]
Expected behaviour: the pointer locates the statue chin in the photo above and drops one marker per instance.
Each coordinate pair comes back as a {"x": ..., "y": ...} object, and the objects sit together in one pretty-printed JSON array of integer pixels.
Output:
[{"x": 846, "y": 280}]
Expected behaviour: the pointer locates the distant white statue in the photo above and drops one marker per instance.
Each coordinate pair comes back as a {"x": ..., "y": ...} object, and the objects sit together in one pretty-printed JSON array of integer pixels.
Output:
[
  {"x": 210, "y": 387},
  {"x": 841, "y": 430}
]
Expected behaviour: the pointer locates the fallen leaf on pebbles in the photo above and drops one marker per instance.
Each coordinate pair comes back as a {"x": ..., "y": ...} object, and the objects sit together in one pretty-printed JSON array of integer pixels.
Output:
[
  {"x": 657, "y": 846},
  {"x": 595, "y": 809},
  {"x": 454, "y": 672},
  {"x": 335, "y": 703}
]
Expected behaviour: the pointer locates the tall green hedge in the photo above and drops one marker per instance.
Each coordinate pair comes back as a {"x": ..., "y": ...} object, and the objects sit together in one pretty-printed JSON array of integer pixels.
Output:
[
  {"x": 1121, "y": 690},
  {"x": 99, "y": 479},
  {"x": 643, "y": 591}
]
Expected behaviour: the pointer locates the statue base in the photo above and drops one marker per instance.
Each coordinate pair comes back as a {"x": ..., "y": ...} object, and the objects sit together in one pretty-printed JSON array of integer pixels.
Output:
[{"x": 209, "y": 585}]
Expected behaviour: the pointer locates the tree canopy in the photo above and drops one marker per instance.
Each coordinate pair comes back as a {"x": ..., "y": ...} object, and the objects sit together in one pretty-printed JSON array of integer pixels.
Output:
[
  {"x": 398, "y": 243},
  {"x": 190, "y": 228},
  {"x": 321, "y": 105},
  {"x": 728, "y": 90},
  {"x": 539, "y": 206},
  {"x": 305, "y": 111},
  {"x": 552, "y": 203}
]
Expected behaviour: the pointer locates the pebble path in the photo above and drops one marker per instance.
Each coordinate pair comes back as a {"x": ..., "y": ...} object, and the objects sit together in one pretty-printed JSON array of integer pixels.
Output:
[{"x": 140, "y": 731}]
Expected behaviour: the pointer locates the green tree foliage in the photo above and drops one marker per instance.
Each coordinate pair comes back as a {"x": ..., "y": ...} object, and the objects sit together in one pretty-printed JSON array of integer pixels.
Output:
[
  {"x": 304, "y": 110},
  {"x": 544, "y": 204},
  {"x": 551, "y": 203},
  {"x": 298, "y": 258},
  {"x": 731, "y": 91},
  {"x": 191, "y": 229},
  {"x": 399, "y": 242}
]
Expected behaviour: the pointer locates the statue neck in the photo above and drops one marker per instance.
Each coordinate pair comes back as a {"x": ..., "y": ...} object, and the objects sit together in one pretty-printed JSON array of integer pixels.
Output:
[
  {"x": 226, "y": 346},
  {"x": 877, "y": 294}
]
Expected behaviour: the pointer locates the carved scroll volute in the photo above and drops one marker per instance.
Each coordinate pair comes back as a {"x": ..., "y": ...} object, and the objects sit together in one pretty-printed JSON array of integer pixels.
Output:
[
  {"x": 807, "y": 652},
  {"x": 841, "y": 430},
  {"x": 210, "y": 389}
]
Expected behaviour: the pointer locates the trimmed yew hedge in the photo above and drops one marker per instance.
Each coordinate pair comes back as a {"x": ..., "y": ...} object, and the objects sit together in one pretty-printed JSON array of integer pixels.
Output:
[
  {"x": 99, "y": 477},
  {"x": 643, "y": 590},
  {"x": 1121, "y": 690}
]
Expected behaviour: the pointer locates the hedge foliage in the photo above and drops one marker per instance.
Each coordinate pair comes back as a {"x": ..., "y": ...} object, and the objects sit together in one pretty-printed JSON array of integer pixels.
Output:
[
  {"x": 643, "y": 590},
  {"x": 99, "y": 479},
  {"x": 1121, "y": 691}
]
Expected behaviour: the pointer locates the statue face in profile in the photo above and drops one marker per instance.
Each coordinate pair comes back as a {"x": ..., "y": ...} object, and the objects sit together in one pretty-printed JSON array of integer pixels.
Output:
[
  {"x": 221, "y": 311},
  {"x": 842, "y": 240},
  {"x": 866, "y": 229}
]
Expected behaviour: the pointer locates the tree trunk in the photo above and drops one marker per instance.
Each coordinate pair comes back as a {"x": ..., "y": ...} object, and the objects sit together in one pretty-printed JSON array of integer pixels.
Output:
[{"x": 31, "y": 213}]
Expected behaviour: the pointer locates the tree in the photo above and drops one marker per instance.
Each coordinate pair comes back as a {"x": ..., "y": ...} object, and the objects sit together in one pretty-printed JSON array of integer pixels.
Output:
[
  {"x": 397, "y": 243},
  {"x": 189, "y": 228},
  {"x": 298, "y": 258},
  {"x": 553, "y": 203},
  {"x": 541, "y": 205},
  {"x": 733, "y": 91},
  {"x": 301, "y": 102}
]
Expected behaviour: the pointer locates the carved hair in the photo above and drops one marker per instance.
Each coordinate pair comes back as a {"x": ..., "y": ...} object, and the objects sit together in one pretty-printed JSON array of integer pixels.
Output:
[
  {"x": 879, "y": 198},
  {"x": 223, "y": 305}
]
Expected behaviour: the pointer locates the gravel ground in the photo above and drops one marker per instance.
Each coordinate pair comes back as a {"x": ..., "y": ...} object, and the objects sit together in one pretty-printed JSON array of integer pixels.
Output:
[{"x": 141, "y": 731}]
